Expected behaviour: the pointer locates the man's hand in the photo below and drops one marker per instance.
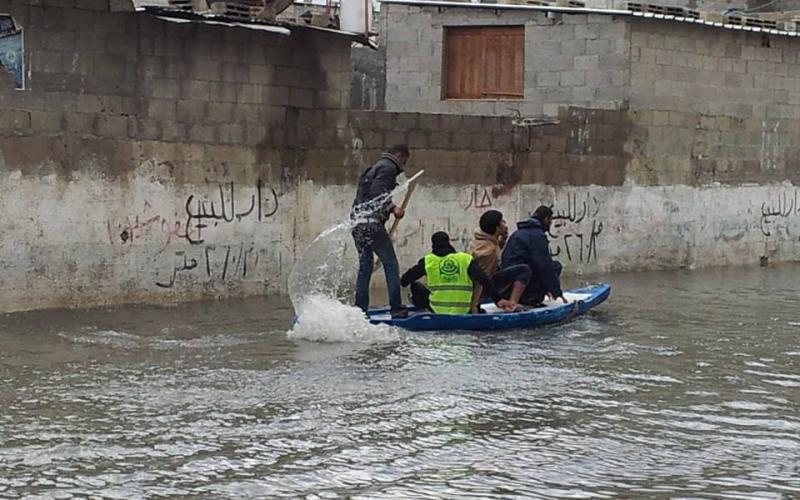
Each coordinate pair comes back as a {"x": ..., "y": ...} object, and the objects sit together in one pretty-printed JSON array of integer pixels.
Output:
[
  {"x": 398, "y": 212},
  {"x": 506, "y": 305}
]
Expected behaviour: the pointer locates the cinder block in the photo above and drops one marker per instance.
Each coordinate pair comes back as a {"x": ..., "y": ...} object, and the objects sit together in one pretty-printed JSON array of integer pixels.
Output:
[
  {"x": 172, "y": 131},
  {"x": 262, "y": 74},
  {"x": 560, "y": 63},
  {"x": 587, "y": 62},
  {"x": 548, "y": 79},
  {"x": 164, "y": 88},
  {"x": 46, "y": 122},
  {"x": 573, "y": 78},
  {"x": 203, "y": 133},
  {"x": 587, "y": 31},
  {"x": 600, "y": 47},
  {"x": 188, "y": 111},
  {"x": 205, "y": 69},
  {"x": 111, "y": 126},
  {"x": 572, "y": 19},
  {"x": 574, "y": 48},
  {"x": 88, "y": 103},
  {"x": 79, "y": 123},
  {"x": 222, "y": 92},
  {"x": 440, "y": 140},
  {"x": 251, "y": 94},
  {"x": 664, "y": 57},
  {"x": 143, "y": 129},
  {"x": 14, "y": 119},
  {"x": 219, "y": 112},
  {"x": 161, "y": 109},
  {"x": 599, "y": 78},
  {"x": 544, "y": 47},
  {"x": 301, "y": 98},
  {"x": 231, "y": 133},
  {"x": 195, "y": 90}
]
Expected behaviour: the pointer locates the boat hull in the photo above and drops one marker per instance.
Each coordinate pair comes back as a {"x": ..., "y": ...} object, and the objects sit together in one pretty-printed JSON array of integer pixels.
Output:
[{"x": 581, "y": 301}]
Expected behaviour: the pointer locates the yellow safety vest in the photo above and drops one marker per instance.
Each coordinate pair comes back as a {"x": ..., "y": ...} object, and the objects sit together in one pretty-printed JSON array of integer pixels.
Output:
[{"x": 449, "y": 282}]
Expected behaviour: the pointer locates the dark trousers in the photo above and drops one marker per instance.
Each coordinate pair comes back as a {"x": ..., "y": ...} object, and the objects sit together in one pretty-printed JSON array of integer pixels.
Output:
[
  {"x": 504, "y": 279},
  {"x": 420, "y": 296},
  {"x": 372, "y": 239},
  {"x": 535, "y": 291}
]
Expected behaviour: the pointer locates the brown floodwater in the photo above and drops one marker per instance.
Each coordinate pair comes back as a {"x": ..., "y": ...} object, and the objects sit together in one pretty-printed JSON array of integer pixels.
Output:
[{"x": 685, "y": 384}]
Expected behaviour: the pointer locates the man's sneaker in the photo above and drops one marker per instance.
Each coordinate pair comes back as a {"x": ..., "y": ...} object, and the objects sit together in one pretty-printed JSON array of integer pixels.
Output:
[{"x": 400, "y": 313}]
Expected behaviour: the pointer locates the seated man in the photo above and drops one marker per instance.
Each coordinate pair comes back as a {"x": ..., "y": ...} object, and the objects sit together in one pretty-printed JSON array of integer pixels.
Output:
[
  {"x": 449, "y": 275},
  {"x": 528, "y": 245},
  {"x": 485, "y": 248}
]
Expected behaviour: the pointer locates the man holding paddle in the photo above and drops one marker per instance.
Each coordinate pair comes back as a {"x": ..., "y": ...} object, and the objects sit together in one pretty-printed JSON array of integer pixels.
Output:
[{"x": 371, "y": 209}]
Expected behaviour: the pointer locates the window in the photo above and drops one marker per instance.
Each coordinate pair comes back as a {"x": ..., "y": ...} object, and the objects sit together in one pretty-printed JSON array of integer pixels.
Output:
[{"x": 483, "y": 62}]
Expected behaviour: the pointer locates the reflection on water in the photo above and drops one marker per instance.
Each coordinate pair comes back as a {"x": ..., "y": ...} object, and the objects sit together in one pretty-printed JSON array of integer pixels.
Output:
[{"x": 681, "y": 385}]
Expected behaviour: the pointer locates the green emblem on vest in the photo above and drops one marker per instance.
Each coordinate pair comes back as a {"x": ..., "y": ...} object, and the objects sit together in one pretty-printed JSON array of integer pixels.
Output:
[{"x": 449, "y": 270}]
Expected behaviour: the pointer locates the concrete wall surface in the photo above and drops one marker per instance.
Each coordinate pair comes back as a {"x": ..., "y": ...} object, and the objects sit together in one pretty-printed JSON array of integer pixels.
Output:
[
  {"x": 153, "y": 162},
  {"x": 580, "y": 60}
]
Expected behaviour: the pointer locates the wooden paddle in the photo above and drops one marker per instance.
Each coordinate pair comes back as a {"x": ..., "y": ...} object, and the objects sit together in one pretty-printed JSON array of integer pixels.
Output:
[{"x": 412, "y": 183}]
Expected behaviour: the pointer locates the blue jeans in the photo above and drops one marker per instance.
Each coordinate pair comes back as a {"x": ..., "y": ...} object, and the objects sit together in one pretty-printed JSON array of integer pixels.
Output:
[{"x": 372, "y": 239}]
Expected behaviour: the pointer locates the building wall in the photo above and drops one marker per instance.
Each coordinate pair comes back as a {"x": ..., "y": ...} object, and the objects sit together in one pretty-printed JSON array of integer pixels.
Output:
[
  {"x": 130, "y": 133},
  {"x": 154, "y": 162},
  {"x": 713, "y": 105},
  {"x": 605, "y": 221},
  {"x": 575, "y": 60}
]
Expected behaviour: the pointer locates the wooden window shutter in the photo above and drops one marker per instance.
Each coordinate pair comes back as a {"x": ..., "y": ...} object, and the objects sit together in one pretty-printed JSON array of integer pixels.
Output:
[{"x": 485, "y": 62}]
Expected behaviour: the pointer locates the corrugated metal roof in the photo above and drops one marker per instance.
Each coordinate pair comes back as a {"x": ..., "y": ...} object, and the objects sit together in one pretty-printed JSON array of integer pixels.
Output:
[{"x": 278, "y": 26}]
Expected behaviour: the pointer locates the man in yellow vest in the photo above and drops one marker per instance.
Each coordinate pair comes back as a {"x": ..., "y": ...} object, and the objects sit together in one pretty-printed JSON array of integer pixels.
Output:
[{"x": 449, "y": 275}]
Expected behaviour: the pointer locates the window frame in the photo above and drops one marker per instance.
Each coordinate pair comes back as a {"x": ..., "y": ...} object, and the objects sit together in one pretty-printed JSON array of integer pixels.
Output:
[{"x": 484, "y": 93}]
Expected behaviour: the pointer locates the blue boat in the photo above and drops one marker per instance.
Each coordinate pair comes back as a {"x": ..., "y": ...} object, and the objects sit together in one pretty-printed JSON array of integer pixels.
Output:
[{"x": 580, "y": 300}]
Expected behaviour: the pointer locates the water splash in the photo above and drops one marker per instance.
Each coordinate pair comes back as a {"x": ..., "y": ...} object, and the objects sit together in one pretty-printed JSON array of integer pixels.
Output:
[
  {"x": 324, "y": 319},
  {"x": 322, "y": 284}
]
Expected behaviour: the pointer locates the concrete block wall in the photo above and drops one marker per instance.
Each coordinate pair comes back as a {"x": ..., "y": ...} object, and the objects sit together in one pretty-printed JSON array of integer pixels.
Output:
[
  {"x": 585, "y": 147},
  {"x": 580, "y": 60},
  {"x": 713, "y": 105},
  {"x": 130, "y": 133}
]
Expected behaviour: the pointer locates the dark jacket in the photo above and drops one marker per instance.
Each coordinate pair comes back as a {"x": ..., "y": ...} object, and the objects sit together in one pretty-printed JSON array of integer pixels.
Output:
[
  {"x": 529, "y": 245},
  {"x": 474, "y": 271},
  {"x": 374, "y": 185}
]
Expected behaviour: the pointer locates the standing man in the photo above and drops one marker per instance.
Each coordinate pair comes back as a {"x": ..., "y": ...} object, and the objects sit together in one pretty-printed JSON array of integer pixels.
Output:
[
  {"x": 369, "y": 214},
  {"x": 529, "y": 245}
]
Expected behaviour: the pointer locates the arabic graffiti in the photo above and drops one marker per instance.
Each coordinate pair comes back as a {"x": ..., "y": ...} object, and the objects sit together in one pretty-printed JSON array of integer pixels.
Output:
[
  {"x": 479, "y": 197},
  {"x": 782, "y": 207},
  {"x": 139, "y": 225},
  {"x": 575, "y": 228},
  {"x": 200, "y": 214},
  {"x": 222, "y": 263},
  {"x": 207, "y": 214}
]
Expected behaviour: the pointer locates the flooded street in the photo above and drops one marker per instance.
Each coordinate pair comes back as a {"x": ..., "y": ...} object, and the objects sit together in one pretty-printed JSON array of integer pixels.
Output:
[{"x": 682, "y": 385}]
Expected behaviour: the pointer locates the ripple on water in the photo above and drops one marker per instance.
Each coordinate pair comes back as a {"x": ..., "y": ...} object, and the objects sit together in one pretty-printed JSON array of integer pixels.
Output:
[{"x": 648, "y": 400}]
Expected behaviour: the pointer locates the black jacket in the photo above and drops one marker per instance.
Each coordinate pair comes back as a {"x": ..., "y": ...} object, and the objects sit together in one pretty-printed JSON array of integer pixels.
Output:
[
  {"x": 374, "y": 185},
  {"x": 529, "y": 245},
  {"x": 474, "y": 271}
]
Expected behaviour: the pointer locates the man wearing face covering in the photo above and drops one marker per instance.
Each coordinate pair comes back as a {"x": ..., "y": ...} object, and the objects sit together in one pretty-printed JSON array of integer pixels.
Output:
[
  {"x": 449, "y": 276},
  {"x": 528, "y": 245}
]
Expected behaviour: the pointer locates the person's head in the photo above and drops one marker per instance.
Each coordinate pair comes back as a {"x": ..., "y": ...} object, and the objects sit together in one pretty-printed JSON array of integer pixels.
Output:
[
  {"x": 440, "y": 241},
  {"x": 492, "y": 222},
  {"x": 544, "y": 215},
  {"x": 401, "y": 152}
]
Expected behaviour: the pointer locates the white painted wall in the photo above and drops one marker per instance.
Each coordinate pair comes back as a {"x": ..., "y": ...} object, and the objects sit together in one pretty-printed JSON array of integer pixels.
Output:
[{"x": 63, "y": 241}]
